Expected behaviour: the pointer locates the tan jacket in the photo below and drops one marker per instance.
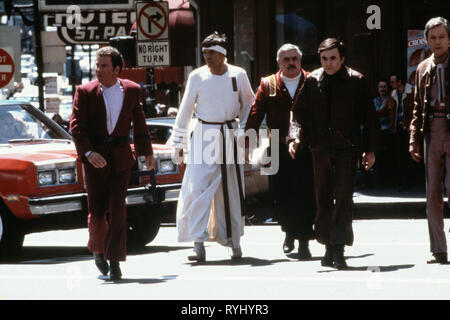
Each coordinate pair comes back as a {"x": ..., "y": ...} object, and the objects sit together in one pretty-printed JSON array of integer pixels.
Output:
[{"x": 425, "y": 76}]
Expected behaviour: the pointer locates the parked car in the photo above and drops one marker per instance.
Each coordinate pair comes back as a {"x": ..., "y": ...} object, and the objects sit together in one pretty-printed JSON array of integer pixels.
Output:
[{"x": 42, "y": 182}]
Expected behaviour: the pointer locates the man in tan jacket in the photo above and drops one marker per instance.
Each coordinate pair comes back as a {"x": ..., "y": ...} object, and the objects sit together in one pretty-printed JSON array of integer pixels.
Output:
[{"x": 431, "y": 126}]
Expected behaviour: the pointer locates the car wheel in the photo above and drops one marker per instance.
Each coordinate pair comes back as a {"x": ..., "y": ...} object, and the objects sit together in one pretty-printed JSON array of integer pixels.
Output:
[
  {"x": 11, "y": 235},
  {"x": 143, "y": 229}
]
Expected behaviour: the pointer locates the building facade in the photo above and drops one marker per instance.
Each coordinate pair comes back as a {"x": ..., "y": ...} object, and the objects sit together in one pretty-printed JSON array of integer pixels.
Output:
[{"x": 258, "y": 28}]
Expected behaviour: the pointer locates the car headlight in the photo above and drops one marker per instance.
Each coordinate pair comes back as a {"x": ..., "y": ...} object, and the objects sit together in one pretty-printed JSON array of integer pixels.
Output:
[
  {"x": 66, "y": 176},
  {"x": 52, "y": 173},
  {"x": 46, "y": 178},
  {"x": 166, "y": 166},
  {"x": 142, "y": 165}
]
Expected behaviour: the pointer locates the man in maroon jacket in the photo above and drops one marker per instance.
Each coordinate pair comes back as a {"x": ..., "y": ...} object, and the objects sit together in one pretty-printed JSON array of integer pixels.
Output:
[
  {"x": 293, "y": 185},
  {"x": 103, "y": 111}
]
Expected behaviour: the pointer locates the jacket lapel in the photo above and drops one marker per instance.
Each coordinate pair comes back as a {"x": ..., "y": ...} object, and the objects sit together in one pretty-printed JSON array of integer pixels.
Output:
[{"x": 101, "y": 105}]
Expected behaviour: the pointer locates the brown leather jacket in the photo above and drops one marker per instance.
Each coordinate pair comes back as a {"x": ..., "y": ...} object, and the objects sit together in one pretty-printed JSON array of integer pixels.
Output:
[
  {"x": 425, "y": 76},
  {"x": 408, "y": 106},
  {"x": 338, "y": 124}
]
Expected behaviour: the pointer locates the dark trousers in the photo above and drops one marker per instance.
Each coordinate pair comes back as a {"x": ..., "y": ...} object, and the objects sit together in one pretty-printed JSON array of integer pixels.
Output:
[
  {"x": 108, "y": 228},
  {"x": 293, "y": 190},
  {"x": 334, "y": 174}
]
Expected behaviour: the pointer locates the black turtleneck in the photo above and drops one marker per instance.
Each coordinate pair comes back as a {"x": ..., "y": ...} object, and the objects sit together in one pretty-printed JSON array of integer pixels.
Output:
[{"x": 329, "y": 81}]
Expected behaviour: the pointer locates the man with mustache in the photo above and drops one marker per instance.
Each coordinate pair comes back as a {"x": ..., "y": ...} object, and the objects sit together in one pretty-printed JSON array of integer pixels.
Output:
[
  {"x": 431, "y": 126},
  {"x": 293, "y": 185}
]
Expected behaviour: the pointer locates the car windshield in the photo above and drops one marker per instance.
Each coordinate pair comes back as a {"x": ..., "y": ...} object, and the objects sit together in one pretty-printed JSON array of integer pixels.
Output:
[
  {"x": 18, "y": 124},
  {"x": 159, "y": 134}
]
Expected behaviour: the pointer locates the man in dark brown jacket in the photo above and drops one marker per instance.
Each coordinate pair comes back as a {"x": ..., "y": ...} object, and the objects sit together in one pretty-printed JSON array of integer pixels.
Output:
[
  {"x": 293, "y": 185},
  {"x": 431, "y": 126},
  {"x": 333, "y": 104}
]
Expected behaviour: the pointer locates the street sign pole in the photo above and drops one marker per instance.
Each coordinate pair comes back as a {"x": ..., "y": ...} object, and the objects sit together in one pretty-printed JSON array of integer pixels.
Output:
[
  {"x": 152, "y": 41},
  {"x": 38, "y": 53}
]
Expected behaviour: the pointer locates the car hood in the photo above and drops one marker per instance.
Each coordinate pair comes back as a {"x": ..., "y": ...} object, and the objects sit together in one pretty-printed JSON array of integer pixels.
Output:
[
  {"x": 36, "y": 152},
  {"x": 57, "y": 150}
]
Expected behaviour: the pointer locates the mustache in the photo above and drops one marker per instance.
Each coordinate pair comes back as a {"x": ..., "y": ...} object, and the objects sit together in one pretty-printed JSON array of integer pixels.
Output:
[{"x": 292, "y": 66}]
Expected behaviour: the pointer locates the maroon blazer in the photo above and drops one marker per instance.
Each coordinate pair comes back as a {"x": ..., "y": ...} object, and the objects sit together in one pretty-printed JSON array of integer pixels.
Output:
[
  {"x": 277, "y": 107},
  {"x": 88, "y": 124}
]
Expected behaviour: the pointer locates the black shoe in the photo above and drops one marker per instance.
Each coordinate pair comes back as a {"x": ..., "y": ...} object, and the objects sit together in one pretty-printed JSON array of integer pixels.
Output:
[
  {"x": 101, "y": 263},
  {"x": 338, "y": 257},
  {"x": 303, "y": 251},
  {"x": 288, "y": 244},
  {"x": 114, "y": 271},
  {"x": 439, "y": 257},
  {"x": 327, "y": 260}
]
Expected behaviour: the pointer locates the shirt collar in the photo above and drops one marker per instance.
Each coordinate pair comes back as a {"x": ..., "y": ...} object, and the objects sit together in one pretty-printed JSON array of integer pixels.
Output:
[{"x": 114, "y": 87}]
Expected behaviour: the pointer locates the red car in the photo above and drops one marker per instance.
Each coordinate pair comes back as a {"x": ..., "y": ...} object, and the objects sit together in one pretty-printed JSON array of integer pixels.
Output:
[{"x": 42, "y": 186}]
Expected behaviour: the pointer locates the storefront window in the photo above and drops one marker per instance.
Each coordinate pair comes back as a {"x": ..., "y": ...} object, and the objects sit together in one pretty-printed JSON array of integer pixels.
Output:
[
  {"x": 296, "y": 24},
  {"x": 244, "y": 56}
]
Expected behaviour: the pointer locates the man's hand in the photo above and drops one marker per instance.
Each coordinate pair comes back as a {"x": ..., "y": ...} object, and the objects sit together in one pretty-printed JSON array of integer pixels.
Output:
[
  {"x": 368, "y": 160},
  {"x": 414, "y": 151},
  {"x": 96, "y": 160},
  {"x": 293, "y": 145},
  {"x": 178, "y": 156},
  {"x": 150, "y": 162}
]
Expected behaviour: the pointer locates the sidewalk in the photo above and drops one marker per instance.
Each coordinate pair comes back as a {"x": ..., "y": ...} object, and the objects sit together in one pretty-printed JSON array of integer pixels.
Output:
[
  {"x": 390, "y": 203},
  {"x": 370, "y": 203}
]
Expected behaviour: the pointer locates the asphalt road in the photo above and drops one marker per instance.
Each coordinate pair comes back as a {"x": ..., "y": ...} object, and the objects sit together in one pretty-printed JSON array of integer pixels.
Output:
[{"x": 387, "y": 261}]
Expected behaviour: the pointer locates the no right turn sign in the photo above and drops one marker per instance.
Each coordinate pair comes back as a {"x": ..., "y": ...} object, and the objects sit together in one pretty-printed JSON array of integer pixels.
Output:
[
  {"x": 152, "y": 21},
  {"x": 152, "y": 45}
]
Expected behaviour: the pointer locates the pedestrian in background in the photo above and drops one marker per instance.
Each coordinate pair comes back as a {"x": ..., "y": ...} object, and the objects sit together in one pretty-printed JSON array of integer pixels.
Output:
[
  {"x": 383, "y": 167},
  {"x": 401, "y": 104}
]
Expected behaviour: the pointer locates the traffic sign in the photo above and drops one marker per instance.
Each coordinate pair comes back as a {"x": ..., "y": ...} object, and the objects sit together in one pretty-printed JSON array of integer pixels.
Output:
[
  {"x": 152, "y": 21},
  {"x": 153, "y": 53},
  {"x": 152, "y": 25},
  {"x": 6, "y": 67}
]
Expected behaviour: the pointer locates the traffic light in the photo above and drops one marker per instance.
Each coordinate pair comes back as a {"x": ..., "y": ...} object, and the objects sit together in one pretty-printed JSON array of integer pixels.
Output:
[
  {"x": 8, "y": 7},
  {"x": 127, "y": 48}
]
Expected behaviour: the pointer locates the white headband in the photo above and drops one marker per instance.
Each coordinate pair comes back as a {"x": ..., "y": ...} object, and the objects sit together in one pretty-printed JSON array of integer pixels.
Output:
[{"x": 217, "y": 48}]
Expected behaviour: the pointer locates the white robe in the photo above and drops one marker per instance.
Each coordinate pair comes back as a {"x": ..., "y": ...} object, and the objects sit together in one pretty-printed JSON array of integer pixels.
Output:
[{"x": 201, "y": 211}]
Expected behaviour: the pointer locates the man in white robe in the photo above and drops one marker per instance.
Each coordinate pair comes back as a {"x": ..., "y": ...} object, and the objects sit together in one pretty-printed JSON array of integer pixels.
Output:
[{"x": 216, "y": 94}]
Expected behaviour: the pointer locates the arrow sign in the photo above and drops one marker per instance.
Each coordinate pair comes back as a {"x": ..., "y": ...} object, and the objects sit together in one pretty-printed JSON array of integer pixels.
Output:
[{"x": 152, "y": 20}]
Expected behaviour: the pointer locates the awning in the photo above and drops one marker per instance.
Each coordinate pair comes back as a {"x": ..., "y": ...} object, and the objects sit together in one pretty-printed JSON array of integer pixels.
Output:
[
  {"x": 167, "y": 75},
  {"x": 182, "y": 33}
]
